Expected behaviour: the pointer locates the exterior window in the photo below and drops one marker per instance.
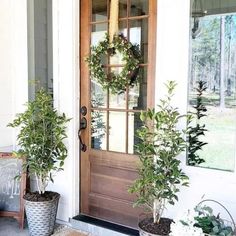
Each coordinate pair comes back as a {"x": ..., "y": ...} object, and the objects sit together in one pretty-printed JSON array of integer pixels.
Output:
[
  {"x": 40, "y": 59},
  {"x": 212, "y": 84}
]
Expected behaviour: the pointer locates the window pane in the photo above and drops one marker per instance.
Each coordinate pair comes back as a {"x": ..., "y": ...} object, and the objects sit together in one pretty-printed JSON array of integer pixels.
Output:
[
  {"x": 219, "y": 152},
  {"x": 116, "y": 59},
  {"x": 139, "y": 35},
  {"x": 139, "y": 7},
  {"x": 117, "y": 131},
  {"x": 117, "y": 100},
  {"x": 134, "y": 124},
  {"x": 99, "y": 10},
  {"x": 98, "y": 95},
  {"x": 122, "y": 8},
  {"x": 138, "y": 93},
  {"x": 123, "y": 27},
  {"x": 98, "y": 33},
  {"x": 98, "y": 130},
  {"x": 212, "y": 86}
]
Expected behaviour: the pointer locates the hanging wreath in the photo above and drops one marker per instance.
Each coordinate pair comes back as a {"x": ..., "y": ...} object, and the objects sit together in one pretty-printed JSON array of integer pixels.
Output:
[{"x": 131, "y": 56}]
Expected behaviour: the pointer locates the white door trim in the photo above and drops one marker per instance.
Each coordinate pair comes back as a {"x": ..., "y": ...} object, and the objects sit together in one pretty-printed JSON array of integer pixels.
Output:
[{"x": 66, "y": 99}]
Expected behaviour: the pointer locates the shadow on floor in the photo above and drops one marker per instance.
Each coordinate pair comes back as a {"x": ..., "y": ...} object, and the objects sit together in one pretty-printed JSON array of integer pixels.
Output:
[{"x": 10, "y": 227}]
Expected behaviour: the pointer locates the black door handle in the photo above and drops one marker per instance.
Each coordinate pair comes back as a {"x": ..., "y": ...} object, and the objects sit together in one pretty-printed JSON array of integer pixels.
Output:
[
  {"x": 83, "y": 110},
  {"x": 83, "y": 125},
  {"x": 83, "y": 146}
]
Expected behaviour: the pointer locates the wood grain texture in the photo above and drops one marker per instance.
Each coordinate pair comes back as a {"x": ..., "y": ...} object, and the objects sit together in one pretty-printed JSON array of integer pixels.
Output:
[
  {"x": 85, "y": 7},
  {"x": 114, "y": 210},
  {"x": 105, "y": 175},
  {"x": 102, "y": 178},
  {"x": 152, "y": 28}
]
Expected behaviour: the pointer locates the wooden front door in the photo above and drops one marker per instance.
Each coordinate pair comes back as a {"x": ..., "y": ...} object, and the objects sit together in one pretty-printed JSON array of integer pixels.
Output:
[{"x": 108, "y": 166}]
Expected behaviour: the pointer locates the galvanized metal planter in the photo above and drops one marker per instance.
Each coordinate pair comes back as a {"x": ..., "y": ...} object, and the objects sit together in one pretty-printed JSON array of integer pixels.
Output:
[{"x": 41, "y": 216}]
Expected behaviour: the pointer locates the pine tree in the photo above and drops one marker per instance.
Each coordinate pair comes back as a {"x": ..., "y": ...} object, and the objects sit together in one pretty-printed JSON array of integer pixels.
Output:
[{"x": 195, "y": 132}]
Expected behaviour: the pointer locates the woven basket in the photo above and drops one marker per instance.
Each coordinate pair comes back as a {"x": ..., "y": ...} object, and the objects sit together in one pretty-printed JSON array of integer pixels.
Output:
[
  {"x": 41, "y": 216},
  {"x": 226, "y": 222}
]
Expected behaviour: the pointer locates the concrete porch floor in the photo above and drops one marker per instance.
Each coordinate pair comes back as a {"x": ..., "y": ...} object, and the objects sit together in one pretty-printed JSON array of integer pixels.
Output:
[{"x": 10, "y": 227}]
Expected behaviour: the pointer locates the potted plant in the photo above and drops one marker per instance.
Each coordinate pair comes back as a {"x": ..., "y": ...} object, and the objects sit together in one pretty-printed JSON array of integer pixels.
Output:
[
  {"x": 160, "y": 175},
  {"x": 41, "y": 135},
  {"x": 202, "y": 222}
]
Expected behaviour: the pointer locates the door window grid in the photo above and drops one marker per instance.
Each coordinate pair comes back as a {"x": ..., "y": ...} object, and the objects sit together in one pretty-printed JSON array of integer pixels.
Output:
[{"x": 126, "y": 22}]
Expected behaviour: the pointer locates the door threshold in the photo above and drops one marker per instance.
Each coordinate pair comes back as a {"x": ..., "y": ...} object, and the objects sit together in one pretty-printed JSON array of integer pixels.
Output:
[{"x": 100, "y": 227}]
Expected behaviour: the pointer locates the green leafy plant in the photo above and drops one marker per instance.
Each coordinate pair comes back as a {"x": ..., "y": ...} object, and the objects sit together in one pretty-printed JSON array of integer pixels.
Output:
[
  {"x": 160, "y": 175},
  {"x": 211, "y": 224},
  {"x": 195, "y": 132},
  {"x": 131, "y": 56},
  {"x": 41, "y": 135}
]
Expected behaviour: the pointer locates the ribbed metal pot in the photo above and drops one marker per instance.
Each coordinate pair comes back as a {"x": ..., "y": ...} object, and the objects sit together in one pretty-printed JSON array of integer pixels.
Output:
[{"x": 41, "y": 216}]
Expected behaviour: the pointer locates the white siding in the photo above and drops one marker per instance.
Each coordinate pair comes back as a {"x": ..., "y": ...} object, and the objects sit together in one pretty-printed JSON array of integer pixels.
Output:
[
  {"x": 6, "y": 79},
  {"x": 13, "y": 64}
]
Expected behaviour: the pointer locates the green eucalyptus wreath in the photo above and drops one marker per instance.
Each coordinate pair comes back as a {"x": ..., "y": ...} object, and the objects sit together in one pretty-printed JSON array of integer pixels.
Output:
[{"x": 131, "y": 57}]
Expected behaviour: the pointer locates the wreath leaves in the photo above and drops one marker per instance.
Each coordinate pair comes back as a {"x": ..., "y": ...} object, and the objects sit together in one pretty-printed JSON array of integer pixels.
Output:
[{"x": 131, "y": 57}]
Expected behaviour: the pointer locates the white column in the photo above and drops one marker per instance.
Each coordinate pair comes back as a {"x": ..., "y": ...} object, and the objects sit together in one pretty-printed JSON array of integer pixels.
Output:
[
  {"x": 172, "y": 48},
  {"x": 66, "y": 94}
]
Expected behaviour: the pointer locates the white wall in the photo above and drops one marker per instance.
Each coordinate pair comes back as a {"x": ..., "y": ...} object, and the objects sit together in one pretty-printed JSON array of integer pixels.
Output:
[
  {"x": 172, "y": 64},
  {"x": 13, "y": 64}
]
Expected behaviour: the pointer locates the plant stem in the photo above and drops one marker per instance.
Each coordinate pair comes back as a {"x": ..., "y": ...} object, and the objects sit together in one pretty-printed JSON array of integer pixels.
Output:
[
  {"x": 156, "y": 211},
  {"x": 38, "y": 185}
]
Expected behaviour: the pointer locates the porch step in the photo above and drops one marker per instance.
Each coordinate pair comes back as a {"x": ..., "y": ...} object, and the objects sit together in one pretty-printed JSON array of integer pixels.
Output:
[{"x": 99, "y": 227}]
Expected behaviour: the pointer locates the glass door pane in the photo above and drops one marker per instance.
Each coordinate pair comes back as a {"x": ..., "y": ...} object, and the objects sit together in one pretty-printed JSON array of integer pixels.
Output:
[
  {"x": 112, "y": 113},
  {"x": 117, "y": 131},
  {"x": 99, "y": 10}
]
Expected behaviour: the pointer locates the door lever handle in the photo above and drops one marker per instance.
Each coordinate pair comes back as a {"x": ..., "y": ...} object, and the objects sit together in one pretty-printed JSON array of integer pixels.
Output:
[
  {"x": 83, "y": 110},
  {"x": 83, "y": 146},
  {"x": 83, "y": 125}
]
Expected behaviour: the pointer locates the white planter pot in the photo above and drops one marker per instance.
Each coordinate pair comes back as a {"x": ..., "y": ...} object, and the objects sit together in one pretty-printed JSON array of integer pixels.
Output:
[{"x": 144, "y": 233}]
